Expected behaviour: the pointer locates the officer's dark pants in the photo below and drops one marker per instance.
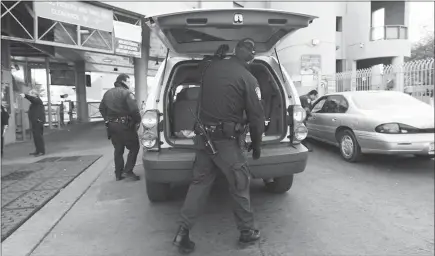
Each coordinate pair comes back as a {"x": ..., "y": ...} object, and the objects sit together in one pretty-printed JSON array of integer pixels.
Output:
[
  {"x": 2, "y": 127},
  {"x": 38, "y": 137},
  {"x": 124, "y": 137},
  {"x": 231, "y": 161}
]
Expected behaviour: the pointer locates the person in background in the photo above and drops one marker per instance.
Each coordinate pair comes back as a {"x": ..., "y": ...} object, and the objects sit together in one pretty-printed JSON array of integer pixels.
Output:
[
  {"x": 4, "y": 125},
  {"x": 62, "y": 114},
  {"x": 307, "y": 103},
  {"x": 37, "y": 120}
]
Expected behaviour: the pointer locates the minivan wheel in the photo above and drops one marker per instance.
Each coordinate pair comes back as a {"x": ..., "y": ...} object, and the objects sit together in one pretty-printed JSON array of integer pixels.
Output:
[
  {"x": 279, "y": 185},
  {"x": 157, "y": 192},
  {"x": 349, "y": 147}
]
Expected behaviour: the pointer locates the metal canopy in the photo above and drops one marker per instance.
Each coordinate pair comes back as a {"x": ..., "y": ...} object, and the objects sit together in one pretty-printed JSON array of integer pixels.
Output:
[{"x": 20, "y": 24}]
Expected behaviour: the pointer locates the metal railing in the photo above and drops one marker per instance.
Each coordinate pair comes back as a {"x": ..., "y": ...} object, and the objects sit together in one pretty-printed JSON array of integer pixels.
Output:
[
  {"x": 415, "y": 78},
  {"x": 94, "y": 111},
  {"x": 388, "y": 32}
]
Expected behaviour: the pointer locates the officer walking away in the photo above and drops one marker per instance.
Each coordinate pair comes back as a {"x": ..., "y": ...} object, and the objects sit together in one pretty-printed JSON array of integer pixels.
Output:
[
  {"x": 121, "y": 114},
  {"x": 4, "y": 125},
  {"x": 37, "y": 120},
  {"x": 228, "y": 90},
  {"x": 307, "y": 103}
]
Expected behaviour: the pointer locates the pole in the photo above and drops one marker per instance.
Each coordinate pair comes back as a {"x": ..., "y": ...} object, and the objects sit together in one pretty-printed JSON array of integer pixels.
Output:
[{"x": 47, "y": 72}]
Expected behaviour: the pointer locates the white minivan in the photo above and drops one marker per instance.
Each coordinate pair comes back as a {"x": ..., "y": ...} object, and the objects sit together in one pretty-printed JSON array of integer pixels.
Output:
[{"x": 168, "y": 120}]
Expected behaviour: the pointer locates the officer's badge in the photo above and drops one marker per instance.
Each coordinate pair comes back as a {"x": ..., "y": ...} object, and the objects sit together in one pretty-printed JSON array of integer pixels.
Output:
[{"x": 258, "y": 92}]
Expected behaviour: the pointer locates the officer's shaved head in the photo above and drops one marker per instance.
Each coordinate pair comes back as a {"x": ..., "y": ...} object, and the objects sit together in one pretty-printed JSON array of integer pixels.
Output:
[
  {"x": 245, "y": 49},
  {"x": 122, "y": 78}
]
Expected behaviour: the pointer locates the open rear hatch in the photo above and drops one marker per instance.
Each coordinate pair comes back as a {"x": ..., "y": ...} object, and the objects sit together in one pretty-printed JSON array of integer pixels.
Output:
[{"x": 201, "y": 32}]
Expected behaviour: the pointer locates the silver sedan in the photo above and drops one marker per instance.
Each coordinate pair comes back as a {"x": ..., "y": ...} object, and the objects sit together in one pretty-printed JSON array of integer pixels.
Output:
[{"x": 375, "y": 122}]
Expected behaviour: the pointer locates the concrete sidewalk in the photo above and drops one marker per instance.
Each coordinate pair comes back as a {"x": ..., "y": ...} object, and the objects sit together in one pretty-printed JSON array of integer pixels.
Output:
[
  {"x": 39, "y": 191},
  {"x": 73, "y": 138},
  {"x": 117, "y": 219}
]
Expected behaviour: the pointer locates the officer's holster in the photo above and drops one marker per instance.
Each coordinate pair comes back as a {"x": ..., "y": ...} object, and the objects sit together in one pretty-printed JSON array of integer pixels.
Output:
[
  {"x": 125, "y": 120},
  {"x": 225, "y": 130}
]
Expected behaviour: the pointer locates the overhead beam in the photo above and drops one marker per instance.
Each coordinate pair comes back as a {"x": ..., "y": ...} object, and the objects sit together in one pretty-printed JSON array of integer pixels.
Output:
[{"x": 41, "y": 50}]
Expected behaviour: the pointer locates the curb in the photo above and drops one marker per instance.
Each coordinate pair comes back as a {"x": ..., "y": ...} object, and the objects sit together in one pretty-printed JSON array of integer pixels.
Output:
[{"x": 28, "y": 237}]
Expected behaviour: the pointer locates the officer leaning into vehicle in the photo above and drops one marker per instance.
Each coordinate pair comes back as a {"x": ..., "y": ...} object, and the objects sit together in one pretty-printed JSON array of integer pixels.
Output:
[
  {"x": 228, "y": 90},
  {"x": 121, "y": 114},
  {"x": 307, "y": 103}
]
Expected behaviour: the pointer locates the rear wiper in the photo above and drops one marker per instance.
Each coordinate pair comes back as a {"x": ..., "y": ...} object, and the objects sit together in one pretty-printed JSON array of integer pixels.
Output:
[
  {"x": 280, "y": 69},
  {"x": 279, "y": 64},
  {"x": 163, "y": 75}
]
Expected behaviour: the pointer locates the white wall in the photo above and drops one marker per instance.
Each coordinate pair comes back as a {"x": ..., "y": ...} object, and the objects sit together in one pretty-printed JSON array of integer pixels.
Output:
[
  {"x": 253, "y": 4},
  {"x": 293, "y": 47},
  {"x": 216, "y": 5},
  {"x": 356, "y": 28}
]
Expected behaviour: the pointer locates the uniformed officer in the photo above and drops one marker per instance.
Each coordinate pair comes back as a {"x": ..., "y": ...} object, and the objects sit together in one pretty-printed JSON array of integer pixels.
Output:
[
  {"x": 228, "y": 91},
  {"x": 121, "y": 114},
  {"x": 307, "y": 103}
]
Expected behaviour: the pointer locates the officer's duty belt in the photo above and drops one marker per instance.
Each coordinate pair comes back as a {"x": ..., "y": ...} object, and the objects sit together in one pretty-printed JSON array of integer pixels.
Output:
[
  {"x": 224, "y": 130},
  {"x": 121, "y": 120}
]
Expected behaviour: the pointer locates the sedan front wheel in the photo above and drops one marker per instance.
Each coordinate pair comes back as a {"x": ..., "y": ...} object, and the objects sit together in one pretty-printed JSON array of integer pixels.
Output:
[{"x": 349, "y": 147}]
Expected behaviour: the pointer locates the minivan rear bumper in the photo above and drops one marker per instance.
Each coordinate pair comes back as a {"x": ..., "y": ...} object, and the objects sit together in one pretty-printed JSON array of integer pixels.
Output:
[{"x": 175, "y": 165}]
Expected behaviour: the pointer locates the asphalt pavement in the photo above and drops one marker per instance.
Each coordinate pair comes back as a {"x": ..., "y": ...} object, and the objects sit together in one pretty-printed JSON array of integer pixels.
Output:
[{"x": 381, "y": 206}]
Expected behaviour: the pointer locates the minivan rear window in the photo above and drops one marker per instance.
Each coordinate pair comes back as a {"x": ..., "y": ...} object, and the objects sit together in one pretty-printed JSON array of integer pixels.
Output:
[{"x": 190, "y": 35}]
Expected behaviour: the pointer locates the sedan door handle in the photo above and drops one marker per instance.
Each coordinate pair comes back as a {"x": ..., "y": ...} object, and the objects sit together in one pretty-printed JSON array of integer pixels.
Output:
[{"x": 334, "y": 119}]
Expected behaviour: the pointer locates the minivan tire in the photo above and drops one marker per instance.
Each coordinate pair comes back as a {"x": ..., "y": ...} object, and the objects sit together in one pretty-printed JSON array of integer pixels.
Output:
[
  {"x": 157, "y": 192},
  {"x": 279, "y": 185},
  {"x": 355, "y": 155}
]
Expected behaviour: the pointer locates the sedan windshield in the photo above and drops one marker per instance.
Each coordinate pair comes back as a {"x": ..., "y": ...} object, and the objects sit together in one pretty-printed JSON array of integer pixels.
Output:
[{"x": 383, "y": 100}]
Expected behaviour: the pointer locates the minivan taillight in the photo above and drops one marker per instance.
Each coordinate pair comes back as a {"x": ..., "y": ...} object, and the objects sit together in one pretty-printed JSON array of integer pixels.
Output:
[
  {"x": 298, "y": 131},
  {"x": 150, "y": 137}
]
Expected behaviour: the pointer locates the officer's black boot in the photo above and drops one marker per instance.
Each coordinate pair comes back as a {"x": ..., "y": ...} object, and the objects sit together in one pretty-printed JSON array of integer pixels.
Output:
[
  {"x": 118, "y": 175},
  {"x": 183, "y": 242},
  {"x": 130, "y": 176},
  {"x": 249, "y": 236}
]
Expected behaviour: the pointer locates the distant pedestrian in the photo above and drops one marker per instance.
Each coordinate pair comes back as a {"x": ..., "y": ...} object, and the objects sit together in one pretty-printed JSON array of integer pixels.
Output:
[
  {"x": 307, "y": 103},
  {"x": 37, "y": 120},
  {"x": 62, "y": 114},
  {"x": 4, "y": 125}
]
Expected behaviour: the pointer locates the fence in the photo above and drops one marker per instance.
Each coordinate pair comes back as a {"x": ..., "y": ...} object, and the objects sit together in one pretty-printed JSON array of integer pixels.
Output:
[
  {"x": 93, "y": 111},
  {"x": 415, "y": 78}
]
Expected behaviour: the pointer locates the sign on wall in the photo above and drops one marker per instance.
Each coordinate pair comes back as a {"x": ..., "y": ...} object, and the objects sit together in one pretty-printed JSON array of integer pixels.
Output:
[
  {"x": 62, "y": 77},
  {"x": 77, "y": 13},
  {"x": 128, "y": 39},
  {"x": 100, "y": 58},
  {"x": 310, "y": 64}
]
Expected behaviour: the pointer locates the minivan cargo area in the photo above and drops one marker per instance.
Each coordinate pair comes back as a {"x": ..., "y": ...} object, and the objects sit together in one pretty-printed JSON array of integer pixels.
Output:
[{"x": 183, "y": 90}]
